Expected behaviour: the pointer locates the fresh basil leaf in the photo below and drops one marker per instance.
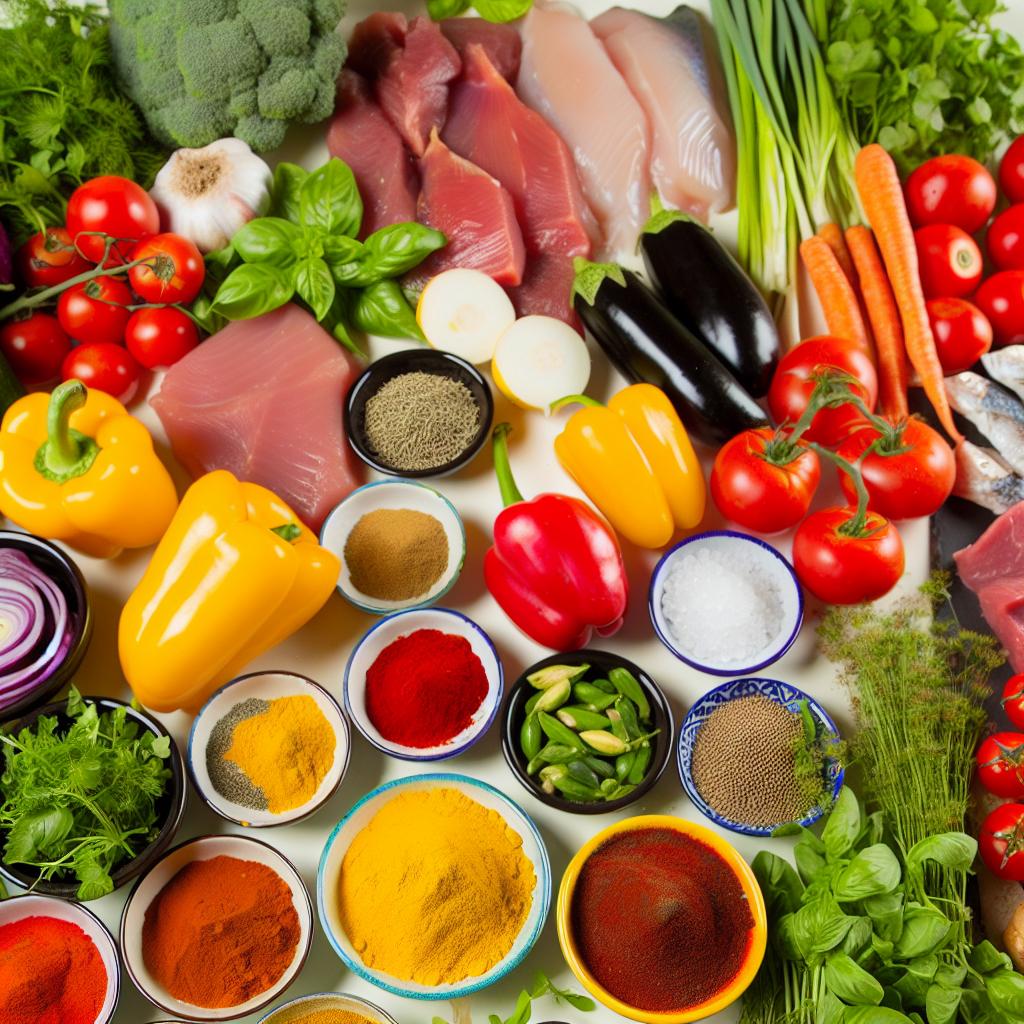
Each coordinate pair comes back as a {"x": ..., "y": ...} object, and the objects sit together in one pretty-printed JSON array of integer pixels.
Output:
[
  {"x": 874, "y": 1015},
  {"x": 521, "y": 1014},
  {"x": 202, "y": 310},
  {"x": 381, "y": 309},
  {"x": 315, "y": 286},
  {"x": 329, "y": 200},
  {"x": 583, "y": 1003},
  {"x": 441, "y": 9},
  {"x": 339, "y": 250},
  {"x": 829, "y": 1009},
  {"x": 821, "y": 925},
  {"x": 288, "y": 180},
  {"x": 951, "y": 975},
  {"x": 252, "y": 290},
  {"x": 886, "y": 910},
  {"x": 810, "y": 863},
  {"x": 32, "y": 834},
  {"x": 941, "y": 1004},
  {"x": 985, "y": 958},
  {"x": 398, "y": 248},
  {"x": 540, "y": 985},
  {"x": 93, "y": 878},
  {"x": 269, "y": 240},
  {"x": 1006, "y": 990},
  {"x": 787, "y": 940},
  {"x": 858, "y": 938},
  {"x": 924, "y": 931},
  {"x": 220, "y": 261},
  {"x": 502, "y": 10},
  {"x": 779, "y": 883},
  {"x": 843, "y": 825},
  {"x": 850, "y": 982},
  {"x": 873, "y": 871},
  {"x": 953, "y": 850}
]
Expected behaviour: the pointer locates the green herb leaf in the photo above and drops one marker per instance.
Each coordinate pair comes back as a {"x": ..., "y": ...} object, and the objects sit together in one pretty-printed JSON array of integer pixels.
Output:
[
  {"x": 329, "y": 200},
  {"x": 540, "y": 985},
  {"x": 924, "y": 931},
  {"x": 780, "y": 884},
  {"x": 338, "y": 251},
  {"x": 398, "y": 248},
  {"x": 985, "y": 958},
  {"x": 1006, "y": 990},
  {"x": 382, "y": 309},
  {"x": 33, "y": 835},
  {"x": 941, "y": 1004},
  {"x": 253, "y": 289},
  {"x": 521, "y": 1014},
  {"x": 954, "y": 850},
  {"x": 315, "y": 286},
  {"x": 502, "y": 10},
  {"x": 874, "y": 1015},
  {"x": 843, "y": 825},
  {"x": 268, "y": 240},
  {"x": 441, "y": 9},
  {"x": 873, "y": 871},
  {"x": 850, "y": 982},
  {"x": 288, "y": 181},
  {"x": 583, "y": 1003}
]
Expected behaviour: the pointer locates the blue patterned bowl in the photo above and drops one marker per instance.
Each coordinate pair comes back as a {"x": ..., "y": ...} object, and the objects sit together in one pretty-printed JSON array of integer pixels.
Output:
[{"x": 782, "y": 693}]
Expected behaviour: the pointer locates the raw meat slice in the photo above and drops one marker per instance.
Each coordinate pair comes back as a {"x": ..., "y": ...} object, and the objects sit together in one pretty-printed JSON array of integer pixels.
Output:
[
  {"x": 490, "y": 126},
  {"x": 263, "y": 398},
  {"x": 567, "y": 76},
  {"x": 365, "y": 139},
  {"x": 998, "y": 552},
  {"x": 546, "y": 287},
  {"x": 475, "y": 213},
  {"x": 1002, "y": 604},
  {"x": 501, "y": 43},
  {"x": 677, "y": 79},
  {"x": 375, "y": 40}
]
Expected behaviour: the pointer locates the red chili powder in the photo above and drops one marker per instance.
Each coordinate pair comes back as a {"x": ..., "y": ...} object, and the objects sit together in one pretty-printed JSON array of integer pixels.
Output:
[
  {"x": 424, "y": 688},
  {"x": 660, "y": 920}
]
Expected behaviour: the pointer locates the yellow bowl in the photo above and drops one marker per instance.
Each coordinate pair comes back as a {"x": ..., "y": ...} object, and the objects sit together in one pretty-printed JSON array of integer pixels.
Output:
[{"x": 751, "y": 890}]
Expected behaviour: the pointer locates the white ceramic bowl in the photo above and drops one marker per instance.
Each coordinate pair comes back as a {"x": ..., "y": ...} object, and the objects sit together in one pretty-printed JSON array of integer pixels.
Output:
[
  {"x": 265, "y": 686},
  {"x": 771, "y": 561},
  {"x": 297, "y": 1009},
  {"x": 17, "y": 908},
  {"x": 149, "y": 886},
  {"x": 361, "y": 815},
  {"x": 401, "y": 624},
  {"x": 394, "y": 494}
]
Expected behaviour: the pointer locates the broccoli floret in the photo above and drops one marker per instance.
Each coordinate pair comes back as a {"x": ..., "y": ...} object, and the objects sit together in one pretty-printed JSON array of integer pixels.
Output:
[{"x": 202, "y": 69}]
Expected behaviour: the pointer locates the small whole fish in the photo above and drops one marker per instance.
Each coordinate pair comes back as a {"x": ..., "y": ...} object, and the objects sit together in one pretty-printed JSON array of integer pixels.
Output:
[
  {"x": 996, "y": 412},
  {"x": 984, "y": 478},
  {"x": 1006, "y": 365}
]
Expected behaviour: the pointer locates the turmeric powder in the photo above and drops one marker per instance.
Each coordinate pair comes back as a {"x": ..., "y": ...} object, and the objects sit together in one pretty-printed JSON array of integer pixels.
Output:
[
  {"x": 435, "y": 888},
  {"x": 333, "y": 1017}
]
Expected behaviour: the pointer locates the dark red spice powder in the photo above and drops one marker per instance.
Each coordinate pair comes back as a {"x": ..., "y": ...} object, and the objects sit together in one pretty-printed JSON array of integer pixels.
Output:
[
  {"x": 424, "y": 688},
  {"x": 660, "y": 920}
]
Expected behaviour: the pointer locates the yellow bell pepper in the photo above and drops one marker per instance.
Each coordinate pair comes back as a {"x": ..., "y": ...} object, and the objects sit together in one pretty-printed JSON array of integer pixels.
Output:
[
  {"x": 634, "y": 460},
  {"x": 235, "y": 574},
  {"x": 76, "y": 467}
]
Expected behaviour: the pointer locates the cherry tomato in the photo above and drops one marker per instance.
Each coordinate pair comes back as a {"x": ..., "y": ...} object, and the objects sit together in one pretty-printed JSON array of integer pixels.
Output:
[
  {"x": 160, "y": 336},
  {"x": 1001, "y": 299},
  {"x": 95, "y": 310},
  {"x": 116, "y": 206},
  {"x": 1005, "y": 239},
  {"x": 840, "y": 568},
  {"x": 1011, "y": 171},
  {"x": 793, "y": 383},
  {"x": 35, "y": 348},
  {"x": 49, "y": 259},
  {"x": 951, "y": 189},
  {"x": 175, "y": 273},
  {"x": 961, "y": 331},
  {"x": 1000, "y": 760},
  {"x": 949, "y": 261},
  {"x": 1013, "y": 699},
  {"x": 1001, "y": 842},
  {"x": 104, "y": 366}
]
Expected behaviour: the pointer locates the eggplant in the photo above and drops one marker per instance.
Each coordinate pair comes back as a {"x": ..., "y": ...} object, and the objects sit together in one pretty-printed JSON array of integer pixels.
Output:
[
  {"x": 645, "y": 342},
  {"x": 712, "y": 296}
]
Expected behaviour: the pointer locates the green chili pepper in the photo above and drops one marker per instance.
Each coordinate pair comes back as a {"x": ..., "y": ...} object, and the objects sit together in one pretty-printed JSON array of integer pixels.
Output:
[
  {"x": 620, "y": 792},
  {"x": 545, "y": 677},
  {"x": 534, "y": 765},
  {"x": 624, "y": 765},
  {"x": 626, "y": 683},
  {"x": 530, "y": 736},
  {"x": 641, "y": 763},
  {"x": 557, "y": 775},
  {"x": 581, "y": 718},
  {"x": 604, "y": 685},
  {"x": 627, "y": 711},
  {"x": 559, "y": 731},
  {"x": 531, "y": 704},
  {"x": 585, "y": 693},
  {"x": 599, "y": 766},
  {"x": 552, "y": 753},
  {"x": 581, "y": 773},
  {"x": 553, "y": 697},
  {"x": 609, "y": 786},
  {"x": 623, "y": 762},
  {"x": 604, "y": 742}
]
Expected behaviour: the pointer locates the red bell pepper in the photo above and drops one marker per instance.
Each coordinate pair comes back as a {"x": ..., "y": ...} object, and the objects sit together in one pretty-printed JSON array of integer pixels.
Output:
[{"x": 555, "y": 567}]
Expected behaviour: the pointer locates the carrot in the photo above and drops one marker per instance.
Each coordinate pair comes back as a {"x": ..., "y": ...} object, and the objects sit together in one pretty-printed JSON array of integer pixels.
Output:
[
  {"x": 833, "y": 235},
  {"x": 878, "y": 185},
  {"x": 838, "y": 299},
  {"x": 885, "y": 321}
]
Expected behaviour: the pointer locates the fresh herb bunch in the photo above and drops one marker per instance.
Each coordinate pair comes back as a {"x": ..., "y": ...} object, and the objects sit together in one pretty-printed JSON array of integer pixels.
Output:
[
  {"x": 814, "y": 751},
  {"x": 63, "y": 119},
  {"x": 78, "y": 803},
  {"x": 542, "y": 985}
]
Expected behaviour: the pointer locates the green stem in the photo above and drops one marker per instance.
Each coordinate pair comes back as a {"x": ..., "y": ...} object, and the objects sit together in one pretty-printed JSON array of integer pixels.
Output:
[
  {"x": 65, "y": 453},
  {"x": 502, "y": 467},
  {"x": 590, "y": 403},
  {"x": 857, "y": 526}
]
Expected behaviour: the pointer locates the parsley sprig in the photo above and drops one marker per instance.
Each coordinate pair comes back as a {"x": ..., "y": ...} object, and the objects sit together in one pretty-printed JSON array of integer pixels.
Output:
[{"x": 542, "y": 986}]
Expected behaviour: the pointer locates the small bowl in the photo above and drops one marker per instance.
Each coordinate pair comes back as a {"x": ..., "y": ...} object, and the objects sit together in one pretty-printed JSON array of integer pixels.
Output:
[
  {"x": 782, "y": 693},
  {"x": 296, "y": 1009},
  {"x": 149, "y": 886},
  {"x": 740, "y": 868},
  {"x": 400, "y": 624},
  {"x": 65, "y": 573},
  {"x": 361, "y": 815},
  {"x": 772, "y": 561},
  {"x": 416, "y": 360},
  {"x": 265, "y": 686},
  {"x": 170, "y": 807},
  {"x": 18, "y": 908},
  {"x": 394, "y": 494},
  {"x": 604, "y": 662}
]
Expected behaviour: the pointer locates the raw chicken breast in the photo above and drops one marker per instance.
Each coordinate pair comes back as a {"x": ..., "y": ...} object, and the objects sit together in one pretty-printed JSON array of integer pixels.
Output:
[
  {"x": 501, "y": 43},
  {"x": 677, "y": 79},
  {"x": 567, "y": 76},
  {"x": 374, "y": 41},
  {"x": 545, "y": 291},
  {"x": 263, "y": 398}
]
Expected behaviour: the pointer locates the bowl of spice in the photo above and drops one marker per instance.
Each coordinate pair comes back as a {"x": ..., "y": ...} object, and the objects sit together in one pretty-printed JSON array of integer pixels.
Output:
[
  {"x": 755, "y": 754},
  {"x": 424, "y": 684},
  {"x": 587, "y": 732},
  {"x": 268, "y": 748},
  {"x": 58, "y": 963},
  {"x": 725, "y": 603},
  {"x": 419, "y": 413},
  {"x": 217, "y": 929},
  {"x": 328, "y": 1008},
  {"x": 434, "y": 886},
  {"x": 661, "y": 920},
  {"x": 401, "y": 545}
]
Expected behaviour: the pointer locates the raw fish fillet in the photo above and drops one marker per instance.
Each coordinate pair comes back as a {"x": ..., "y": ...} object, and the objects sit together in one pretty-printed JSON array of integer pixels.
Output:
[
  {"x": 1002, "y": 604},
  {"x": 374, "y": 41},
  {"x": 1006, "y": 365},
  {"x": 567, "y": 76},
  {"x": 366, "y": 140},
  {"x": 474, "y": 212},
  {"x": 501, "y": 43},
  {"x": 984, "y": 478},
  {"x": 488, "y": 125},
  {"x": 993, "y": 410},
  {"x": 545, "y": 291},
  {"x": 677, "y": 79},
  {"x": 263, "y": 399}
]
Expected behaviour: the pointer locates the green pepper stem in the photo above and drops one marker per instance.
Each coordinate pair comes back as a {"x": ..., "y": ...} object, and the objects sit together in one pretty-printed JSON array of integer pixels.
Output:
[
  {"x": 590, "y": 403},
  {"x": 65, "y": 453},
  {"x": 287, "y": 531},
  {"x": 502, "y": 467}
]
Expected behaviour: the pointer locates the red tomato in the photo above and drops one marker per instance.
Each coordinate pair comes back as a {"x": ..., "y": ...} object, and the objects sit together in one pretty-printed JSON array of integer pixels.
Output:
[
  {"x": 175, "y": 273},
  {"x": 95, "y": 310},
  {"x": 113, "y": 205},
  {"x": 160, "y": 336},
  {"x": 104, "y": 366},
  {"x": 49, "y": 259},
  {"x": 948, "y": 259},
  {"x": 962, "y": 333},
  {"x": 1000, "y": 760},
  {"x": 1011, "y": 171},
  {"x": 839, "y": 568},
  {"x": 758, "y": 492},
  {"x": 1001, "y": 300},
  {"x": 1013, "y": 699},
  {"x": 1001, "y": 842},
  {"x": 1005, "y": 239},
  {"x": 793, "y": 383},
  {"x": 951, "y": 189},
  {"x": 35, "y": 348}
]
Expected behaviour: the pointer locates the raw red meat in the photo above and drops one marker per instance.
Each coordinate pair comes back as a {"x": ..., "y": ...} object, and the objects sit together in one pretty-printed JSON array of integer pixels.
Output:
[
  {"x": 546, "y": 287},
  {"x": 1002, "y": 604},
  {"x": 375, "y": 40},
  {"x": 501, "y": 43}
]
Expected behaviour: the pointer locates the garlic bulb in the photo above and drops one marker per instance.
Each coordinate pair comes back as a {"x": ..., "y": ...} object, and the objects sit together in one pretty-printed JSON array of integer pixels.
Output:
[{"x": 207, "y": 194}]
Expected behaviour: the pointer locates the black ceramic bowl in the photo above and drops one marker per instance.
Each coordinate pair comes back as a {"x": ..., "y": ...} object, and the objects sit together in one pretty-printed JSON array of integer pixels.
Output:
[
  {"x": 417, "y": 360},
  {"x": 170, "y": 807},
  {"x": 603, "y": 662},
  {"x": 66, "y": 574}
]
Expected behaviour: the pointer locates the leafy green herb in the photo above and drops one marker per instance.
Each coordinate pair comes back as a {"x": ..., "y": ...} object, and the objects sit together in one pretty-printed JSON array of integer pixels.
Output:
[
  {"x": 78, "y": 803},
  {"x": 489, "y": 10},
  {"x": 542, "y": 986}
]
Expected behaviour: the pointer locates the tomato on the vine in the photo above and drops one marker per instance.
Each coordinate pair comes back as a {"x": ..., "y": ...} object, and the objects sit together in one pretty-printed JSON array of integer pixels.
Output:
[
  {"x": 949, "y": 261},
  {"x": 105, "y": 367},
  {"x": 951, "y": 189},
  {"x": 1001, "y": 299},
  {"x": 49, "y": 258},
  {"x": 1011, "y": 171},
  {"x": 115, "y": 206},
  {"x": 160, "y": 336},
  {"x": 35, "y": 347},
  {"x": 95, "y": 310},
  {"x": 1005, "y": 238},
  {"x": 1001, "y": 842},
  {"x": 962, "y": 333},
  {"x": 174, "y": 270},
  {"x": 1000, "y": 761},
  {"x": 1013, "y": 699}
]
